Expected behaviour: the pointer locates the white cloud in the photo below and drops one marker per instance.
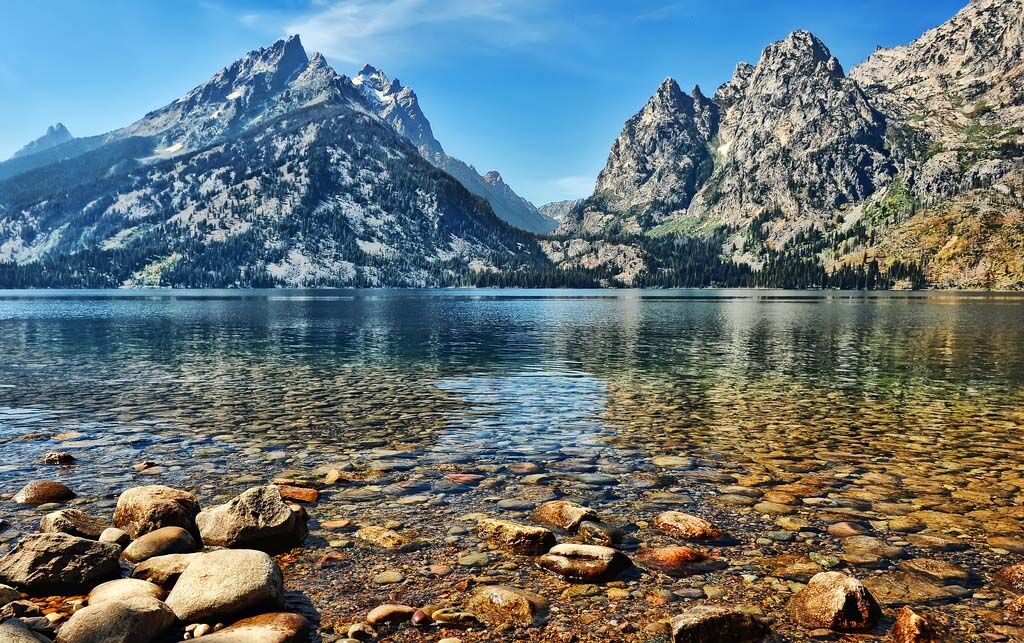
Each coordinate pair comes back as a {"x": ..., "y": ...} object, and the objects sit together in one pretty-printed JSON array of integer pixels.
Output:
[{"x": 384, "y": 31}]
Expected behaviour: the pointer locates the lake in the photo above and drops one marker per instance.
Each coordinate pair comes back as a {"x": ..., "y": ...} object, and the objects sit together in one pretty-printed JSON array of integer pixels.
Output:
[{"x": 774, "y": 414}]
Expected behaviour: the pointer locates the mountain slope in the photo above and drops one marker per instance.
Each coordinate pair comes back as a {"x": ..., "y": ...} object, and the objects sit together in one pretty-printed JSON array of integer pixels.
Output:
[
  {"x": 282, "y": 177},
  {"x": 399, "y": 106},
  {"x": 55, "y": 135}
]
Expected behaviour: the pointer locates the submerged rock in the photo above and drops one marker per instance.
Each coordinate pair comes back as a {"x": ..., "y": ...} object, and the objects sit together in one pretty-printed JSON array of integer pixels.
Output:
[
  {"x": 257, "y": 519},
  {"x": 519, "y": 539},
  {"x": 59, "y": 564},
  {"x": 1011, "y": 577},
  {"x": 911, "y": 627},
  {"x": 835, "y": 601},
  {"x": 672, "y": 561},
  {"x": 384, "y": 538},
  {"x": 563, "y": 515},
  {"x": 138, "y": 619},
  {"x": 500, "y": 605},
  {"x": 74, "y": 523},
  {"x": 710, "y": 624},
  {"x": 141, "y": 510},
  {"x": 686, "y": 526},
  {"x": 226, "y": 582},
  {"x": 41, "y": 492},
  {"x": 587, "y": 563}
]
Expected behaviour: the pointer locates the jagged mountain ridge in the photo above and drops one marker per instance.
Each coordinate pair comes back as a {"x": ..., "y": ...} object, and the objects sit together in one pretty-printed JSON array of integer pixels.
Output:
[
  {"x": 55, "y": 135},
  {"x": 814, "y": 167},
  {"x": 398, "y": 105},
  {"x": 300, "y": 184}
]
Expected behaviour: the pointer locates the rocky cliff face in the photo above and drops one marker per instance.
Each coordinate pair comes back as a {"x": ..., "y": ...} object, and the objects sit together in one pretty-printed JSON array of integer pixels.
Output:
[
  {"x": 399, "y": 106},
  {"x": 55, "y": 135}
]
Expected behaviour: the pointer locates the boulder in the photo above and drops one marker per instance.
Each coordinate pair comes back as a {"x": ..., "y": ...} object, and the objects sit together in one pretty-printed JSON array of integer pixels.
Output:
[
  {"x": 497, "y": 605},
  {"x": 710, "y": 624},
  {"x": 163, "y": 570},
  {"x": 587, "y": 563},
  {"x": 59, "y": 564},
  {"x": 116, "y": 536},
  {"x": 225, "y": 582},
  {"x": 563, "y": 515},
  {"x": 15, "y": 631},
  {"x": 124, "y": 588},
  {"x": 58, "y": 457},
  {"x": 672, "y": 561},
  {"x": 256, "y": 519},
  {"x": 8, "y": 594},
  {"x": 519, "y": 539},
  {"x": 687, "y": 527},
  {"x": 41, "y": 492},
  {"x": 1011, "y": 577},
  {"x": 168, "y": 540},
  {"x": 911, "y": 627},
  {"x": 276, "y": 627},
  {"x": 141, "y": 510},
  {"x": 72, "y": 522},
  {"x": 835, "y": 601},
  {"x": 138, "y": 619}
]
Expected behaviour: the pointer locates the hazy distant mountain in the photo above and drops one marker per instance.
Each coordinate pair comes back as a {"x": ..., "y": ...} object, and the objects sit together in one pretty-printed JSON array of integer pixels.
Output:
[
  {"x": 911, "y": 165},
  {"x": 557, "y": 210},
  {"x": 399, "y": 106},
  {"x": 54, "y": 136},
  {"x": 273, "y": 172}
]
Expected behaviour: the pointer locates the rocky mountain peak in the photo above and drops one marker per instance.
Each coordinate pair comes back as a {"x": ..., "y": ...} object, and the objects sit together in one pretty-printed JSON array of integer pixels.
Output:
[
  {"x": 801, "y": 53},
  {"x": 494, "y": 178},
  {"x": 55, "y": 135}
]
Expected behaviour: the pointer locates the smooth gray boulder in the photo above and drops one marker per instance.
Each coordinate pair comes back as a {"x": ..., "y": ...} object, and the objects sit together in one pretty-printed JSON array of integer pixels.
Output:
[
  {"x": 141, "y": 510},
  {"x": 224, "y": 583},
  {"x": 138, "y": 619},
  {"x": 59, "y": 564},
  {"x": 163, "y": 570}
]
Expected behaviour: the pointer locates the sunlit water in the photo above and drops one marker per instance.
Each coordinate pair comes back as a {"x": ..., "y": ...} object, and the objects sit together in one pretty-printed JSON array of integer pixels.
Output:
[{"x": 885, "y": 404}]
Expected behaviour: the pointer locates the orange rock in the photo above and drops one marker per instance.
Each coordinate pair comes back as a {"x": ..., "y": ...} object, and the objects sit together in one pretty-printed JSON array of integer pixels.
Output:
[
  {"x": 298, "y": 494},
  {"x": 911, "y": 627},
  {"x": 686, "y": 526},
  {"x": 674, "y": 561},
  {"x": 464, "y": 478}
]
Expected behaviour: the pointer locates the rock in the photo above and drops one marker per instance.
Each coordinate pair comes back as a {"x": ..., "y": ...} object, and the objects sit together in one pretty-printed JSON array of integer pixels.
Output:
[
  {"x": 938, "y": 570},
  {"x": 224, "y": 583},
  {"x": 72, "y": 522},
  {"x": 835, "y": 601},
  {"x": 847, "y": 529},
  {"x": 795, "y": 567},
  {"x": 299, "y": 494},
  {"x": 141, "y": 510},
  {"x": 902, "y": 588},
  {"x": 519, "y": 539},
  {"x": 672, "y": 462},
  {"x": 256, "y": 519},
  {"x": 123, "y": 588},
  {"x": 138, "y": 619},
  {"x": 673, "y": 561},
  {"x": 686, "y": 526},
  {"x": 598, "y": 533},
  {"x": 58, "y": 457},
  {"x": 497, "y": 605},
  {"x": 390, "y": 613},
  {"x": 8, "y": 594},
  {"x": 20, "y": 609},
  {"x": 276, "y": 627},
  {"x": 1011, "y": 577},
  {"x": 361, "y": 632},
  {"x": 168, "y": 540},
  {"x": 384, "y": 538},
  {"x": 163, "y": 570},
  {"x": 41, "y": 492},
  {"x": 868, "y": 551},
  {"x": 911, "y": 627},
  {"x": 587, "y": 563},
  {"x": 388, "y": 578},
  {"x": 710, "y": 624},
  {"x": 59, "y": 564},
  {"x": 471, "y": 479},
  {"x": 563, "y": 515},
  {"x": 15, "y": 631},
  {"x": 116, "y": 536}
]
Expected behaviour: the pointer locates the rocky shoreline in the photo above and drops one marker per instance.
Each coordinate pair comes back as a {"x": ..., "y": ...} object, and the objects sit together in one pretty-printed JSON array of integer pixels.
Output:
[{"x": 265, "y": 566}]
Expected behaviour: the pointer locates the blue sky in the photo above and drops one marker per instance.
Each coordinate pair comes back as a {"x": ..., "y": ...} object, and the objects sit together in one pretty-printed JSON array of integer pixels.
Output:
[{"x": 537, "y": 89}]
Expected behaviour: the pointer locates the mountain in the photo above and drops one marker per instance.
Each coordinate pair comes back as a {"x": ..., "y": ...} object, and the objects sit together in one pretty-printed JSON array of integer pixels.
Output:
[
  {"x": 799, "y": 172},
  {"x": 273, "y": 172},
  {"x": 55, "y": 135},
  {"x": 558, "y": 210},
  {"x": 399, "y": 106}
]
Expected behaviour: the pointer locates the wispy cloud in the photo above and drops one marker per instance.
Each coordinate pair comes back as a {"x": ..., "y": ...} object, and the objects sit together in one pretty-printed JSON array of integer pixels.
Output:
[{"x": 357, "y": 31}]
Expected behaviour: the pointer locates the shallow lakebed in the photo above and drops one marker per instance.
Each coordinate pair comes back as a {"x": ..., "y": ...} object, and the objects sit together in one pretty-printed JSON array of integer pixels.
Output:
[{"x": 877, "y": 434}]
